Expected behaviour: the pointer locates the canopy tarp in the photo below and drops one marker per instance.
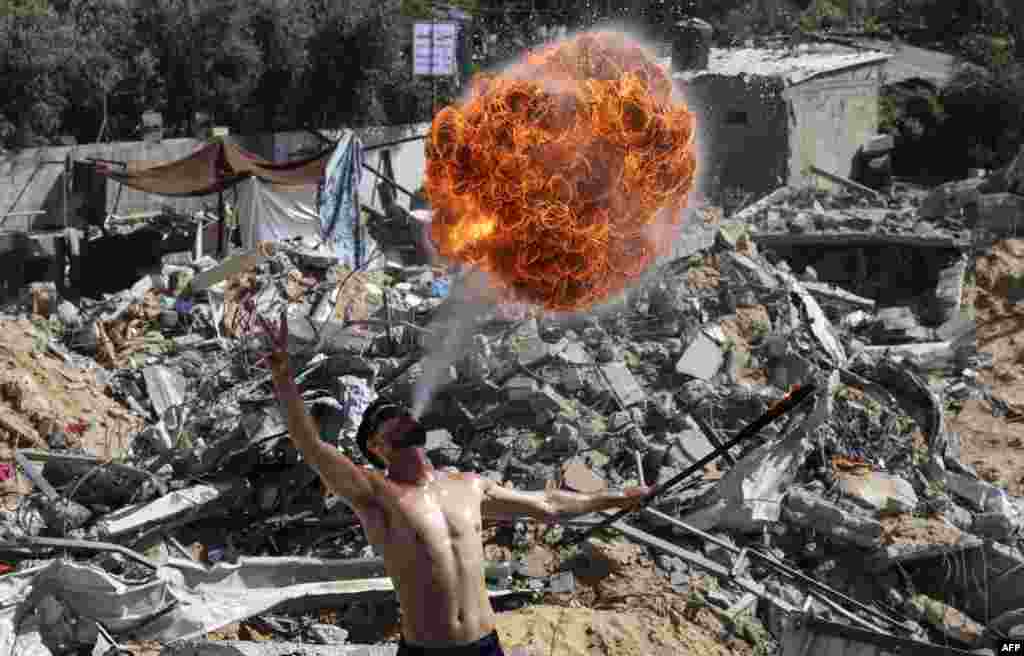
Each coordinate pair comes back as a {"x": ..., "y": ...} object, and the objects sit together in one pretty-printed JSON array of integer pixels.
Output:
[{"x": 215, "y": 167}]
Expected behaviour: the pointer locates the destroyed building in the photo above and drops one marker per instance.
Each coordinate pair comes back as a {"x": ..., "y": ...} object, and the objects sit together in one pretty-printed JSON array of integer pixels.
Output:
[
  {"x": 839, "y": 458},
  {"x": 769, "y": 114}
]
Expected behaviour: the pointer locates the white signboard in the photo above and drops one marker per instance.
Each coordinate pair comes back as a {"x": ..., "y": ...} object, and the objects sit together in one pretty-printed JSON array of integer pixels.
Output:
[{"x": 434, "y": 46}]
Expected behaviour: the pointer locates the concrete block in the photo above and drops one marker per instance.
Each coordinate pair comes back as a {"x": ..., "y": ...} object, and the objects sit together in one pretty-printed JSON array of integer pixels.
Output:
[
  {"x": 702, "y": 358},
  {"x": 808, "y": 510},
  {"x": 879, "y": 491},
  {"x": 1000, "y": 213},
  {"x": 624, "y": 384},
  {"x": 271, "y": 648},
  {"x": 879, "y": 144}
]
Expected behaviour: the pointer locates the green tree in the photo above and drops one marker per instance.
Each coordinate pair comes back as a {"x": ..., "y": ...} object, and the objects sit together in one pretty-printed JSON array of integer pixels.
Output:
[
  {"x": 51, "y": 63},
  {"x": 984, "y": 109}
]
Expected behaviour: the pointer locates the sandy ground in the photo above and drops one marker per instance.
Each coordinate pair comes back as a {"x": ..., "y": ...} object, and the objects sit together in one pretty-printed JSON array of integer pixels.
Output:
[
  {"x": 40, "y": 393},
  {"x": 911, "y": 530},
  {"x": 995, "y": 446}
]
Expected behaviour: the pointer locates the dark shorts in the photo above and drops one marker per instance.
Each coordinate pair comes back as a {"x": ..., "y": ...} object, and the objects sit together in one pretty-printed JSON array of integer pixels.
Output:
[{"x": 485, "y": 646}]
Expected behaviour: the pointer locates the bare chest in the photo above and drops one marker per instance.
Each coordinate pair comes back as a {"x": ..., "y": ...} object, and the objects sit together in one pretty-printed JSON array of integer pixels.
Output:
[{"x": 438, "y": 515}]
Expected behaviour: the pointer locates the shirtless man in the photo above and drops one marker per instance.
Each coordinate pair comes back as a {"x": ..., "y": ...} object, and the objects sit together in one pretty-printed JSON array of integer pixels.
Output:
[{"x": 426, "y": 524}]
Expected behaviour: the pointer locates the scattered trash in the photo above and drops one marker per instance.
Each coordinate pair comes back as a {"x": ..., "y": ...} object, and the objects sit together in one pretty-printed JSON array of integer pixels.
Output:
[{"x": 162, "y": 531}]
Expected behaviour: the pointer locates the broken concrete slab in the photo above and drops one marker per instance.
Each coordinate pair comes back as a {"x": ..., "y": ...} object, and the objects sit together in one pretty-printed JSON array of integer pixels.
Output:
[
  {"x": 272, "y": 648},
  {"x": 689, "y": 446},
  {"x": 905, "y": 554},
  {"x": 1001, "y": 214},
  {"x": 979, "y": 495},
  {"x": 948, "y": 199},
  {"x": 878, "y": 144},
  {"x": 949, "y": 290},
  {"x": 702, "y": 359},
  {"x": 575, "y": 354},
  {"x": 808, "y": 510},
  {"x": 848, "y": 301},
  {"x": 746, "y": 270},
  {"x": 169, "y": 507},
  {"x": 623, "y": 384},
  {"x": 879, "y": 491},
  {"x": 547, "y": 402},
  {"x": 819, "y": 324},
  {"x": 994, "y": 526},
  {"x": 166, "y": 388},
  {"x": 231, "y": 267},
  {"x": 751, "y": 493},
  {"x": 927, "y": 356}
]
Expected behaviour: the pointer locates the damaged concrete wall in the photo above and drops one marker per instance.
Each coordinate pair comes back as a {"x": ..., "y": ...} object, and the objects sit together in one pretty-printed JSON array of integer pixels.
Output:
[
  {"x": 890, "y": 274},
  {"x": 831, "y": 116},
  {"x": 30, "y": 181},
  {"x": 743, "y": 132}
]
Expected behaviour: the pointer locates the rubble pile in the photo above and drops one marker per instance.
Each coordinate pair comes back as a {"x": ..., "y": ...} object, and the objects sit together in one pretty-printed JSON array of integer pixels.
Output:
[{"x": 849, "y": 509}]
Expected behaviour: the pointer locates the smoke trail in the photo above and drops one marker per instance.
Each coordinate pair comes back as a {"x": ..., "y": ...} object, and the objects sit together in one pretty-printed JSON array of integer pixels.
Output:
[{"x": 470, "y": 297}]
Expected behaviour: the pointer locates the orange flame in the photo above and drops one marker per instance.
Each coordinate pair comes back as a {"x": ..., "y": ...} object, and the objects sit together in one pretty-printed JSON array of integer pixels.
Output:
[{"x": 552, "y": 174}]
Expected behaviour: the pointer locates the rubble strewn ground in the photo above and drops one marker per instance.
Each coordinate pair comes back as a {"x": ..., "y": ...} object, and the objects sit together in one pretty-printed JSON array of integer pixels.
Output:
[{"x": 148, "y": 440}]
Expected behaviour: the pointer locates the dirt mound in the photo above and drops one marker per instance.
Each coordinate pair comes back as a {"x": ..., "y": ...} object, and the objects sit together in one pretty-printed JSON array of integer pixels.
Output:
[
  {"x": 560, "y": 631},
  {"x": 993, "y": 445},
  {"x": 1000, "y": 284},
  {"x": 41, "y": 394}
]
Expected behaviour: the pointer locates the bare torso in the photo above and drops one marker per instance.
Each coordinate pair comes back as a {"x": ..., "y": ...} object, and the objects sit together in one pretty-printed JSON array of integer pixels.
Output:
[{"x": 430, "y": 538}]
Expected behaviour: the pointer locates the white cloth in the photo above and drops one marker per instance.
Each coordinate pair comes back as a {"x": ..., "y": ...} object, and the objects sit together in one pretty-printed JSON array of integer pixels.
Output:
[{"x": 267, "y": 213}]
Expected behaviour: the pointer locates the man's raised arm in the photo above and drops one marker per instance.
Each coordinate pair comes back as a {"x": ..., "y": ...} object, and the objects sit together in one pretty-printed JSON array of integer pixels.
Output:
[{"x": 341, "y": 475}]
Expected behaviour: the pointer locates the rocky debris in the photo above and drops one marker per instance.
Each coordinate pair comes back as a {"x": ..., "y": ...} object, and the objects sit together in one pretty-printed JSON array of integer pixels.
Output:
[{"x": 798, "y": 289}]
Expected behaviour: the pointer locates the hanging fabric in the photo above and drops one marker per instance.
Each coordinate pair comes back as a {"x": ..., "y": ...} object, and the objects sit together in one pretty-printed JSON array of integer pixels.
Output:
[{"x": 338, "y": 204}]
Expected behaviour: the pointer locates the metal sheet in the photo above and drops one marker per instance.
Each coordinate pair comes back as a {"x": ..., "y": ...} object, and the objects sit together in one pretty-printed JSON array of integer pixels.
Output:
[
  {"x": 813, "y": 637},
  {"x": 184, "y": 600}
]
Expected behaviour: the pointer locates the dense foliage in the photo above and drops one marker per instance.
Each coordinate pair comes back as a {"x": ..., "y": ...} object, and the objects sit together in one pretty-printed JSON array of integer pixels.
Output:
[{"x": 89, "y": 68}]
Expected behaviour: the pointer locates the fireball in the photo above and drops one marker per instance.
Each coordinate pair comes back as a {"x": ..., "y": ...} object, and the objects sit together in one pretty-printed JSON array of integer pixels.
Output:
[{"x": 560, "y": 174}]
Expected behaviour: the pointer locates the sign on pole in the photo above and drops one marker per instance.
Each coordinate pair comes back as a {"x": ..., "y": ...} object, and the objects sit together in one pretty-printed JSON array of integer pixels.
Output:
[{"x": 434, "y": 47}]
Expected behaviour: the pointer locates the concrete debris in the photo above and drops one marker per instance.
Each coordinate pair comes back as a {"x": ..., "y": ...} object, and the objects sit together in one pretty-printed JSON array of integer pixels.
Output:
[
  {"x": 272, "y": 648},
  {"x": 801, "y": 287},
  {"x": 879, "y": 491},
  {"x": 809, "y": 511},
  {"x": 702, "y": 358}
]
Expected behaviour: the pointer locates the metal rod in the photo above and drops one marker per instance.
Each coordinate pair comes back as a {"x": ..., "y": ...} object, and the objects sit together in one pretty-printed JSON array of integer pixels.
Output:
[
  {"x": 84, "y": 545},
  {"x": 788, "y": 403},
  {"x": 389, "y": 181},
  {"x": 712, "y": 437},
  {"x": 398, "y": 142},
  {"x": 772, "y": 561}
]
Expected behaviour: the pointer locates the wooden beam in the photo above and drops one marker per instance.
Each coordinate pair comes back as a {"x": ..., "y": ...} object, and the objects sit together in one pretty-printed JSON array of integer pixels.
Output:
[
  {"x": 232, "y": 267},
  {"x": 848, "y": 183}
]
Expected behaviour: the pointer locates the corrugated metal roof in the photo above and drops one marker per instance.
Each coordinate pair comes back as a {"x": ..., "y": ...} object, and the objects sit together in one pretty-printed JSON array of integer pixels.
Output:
[{"x": 794, "y": 65}]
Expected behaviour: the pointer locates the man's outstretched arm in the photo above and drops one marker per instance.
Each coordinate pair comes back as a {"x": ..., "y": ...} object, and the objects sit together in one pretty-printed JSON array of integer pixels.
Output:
[{"x": 553, "y": 505}]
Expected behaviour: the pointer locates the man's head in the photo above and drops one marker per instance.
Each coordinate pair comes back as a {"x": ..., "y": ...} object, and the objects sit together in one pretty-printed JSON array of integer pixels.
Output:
[{"x": 385, "y": 430}]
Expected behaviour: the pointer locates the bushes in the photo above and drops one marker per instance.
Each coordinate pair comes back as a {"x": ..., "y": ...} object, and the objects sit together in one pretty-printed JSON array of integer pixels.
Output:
[{"x": 984, "y": 123}]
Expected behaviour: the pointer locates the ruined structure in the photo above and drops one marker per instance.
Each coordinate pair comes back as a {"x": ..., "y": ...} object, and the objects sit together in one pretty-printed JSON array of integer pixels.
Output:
[{"x": 769, "y": 114}]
